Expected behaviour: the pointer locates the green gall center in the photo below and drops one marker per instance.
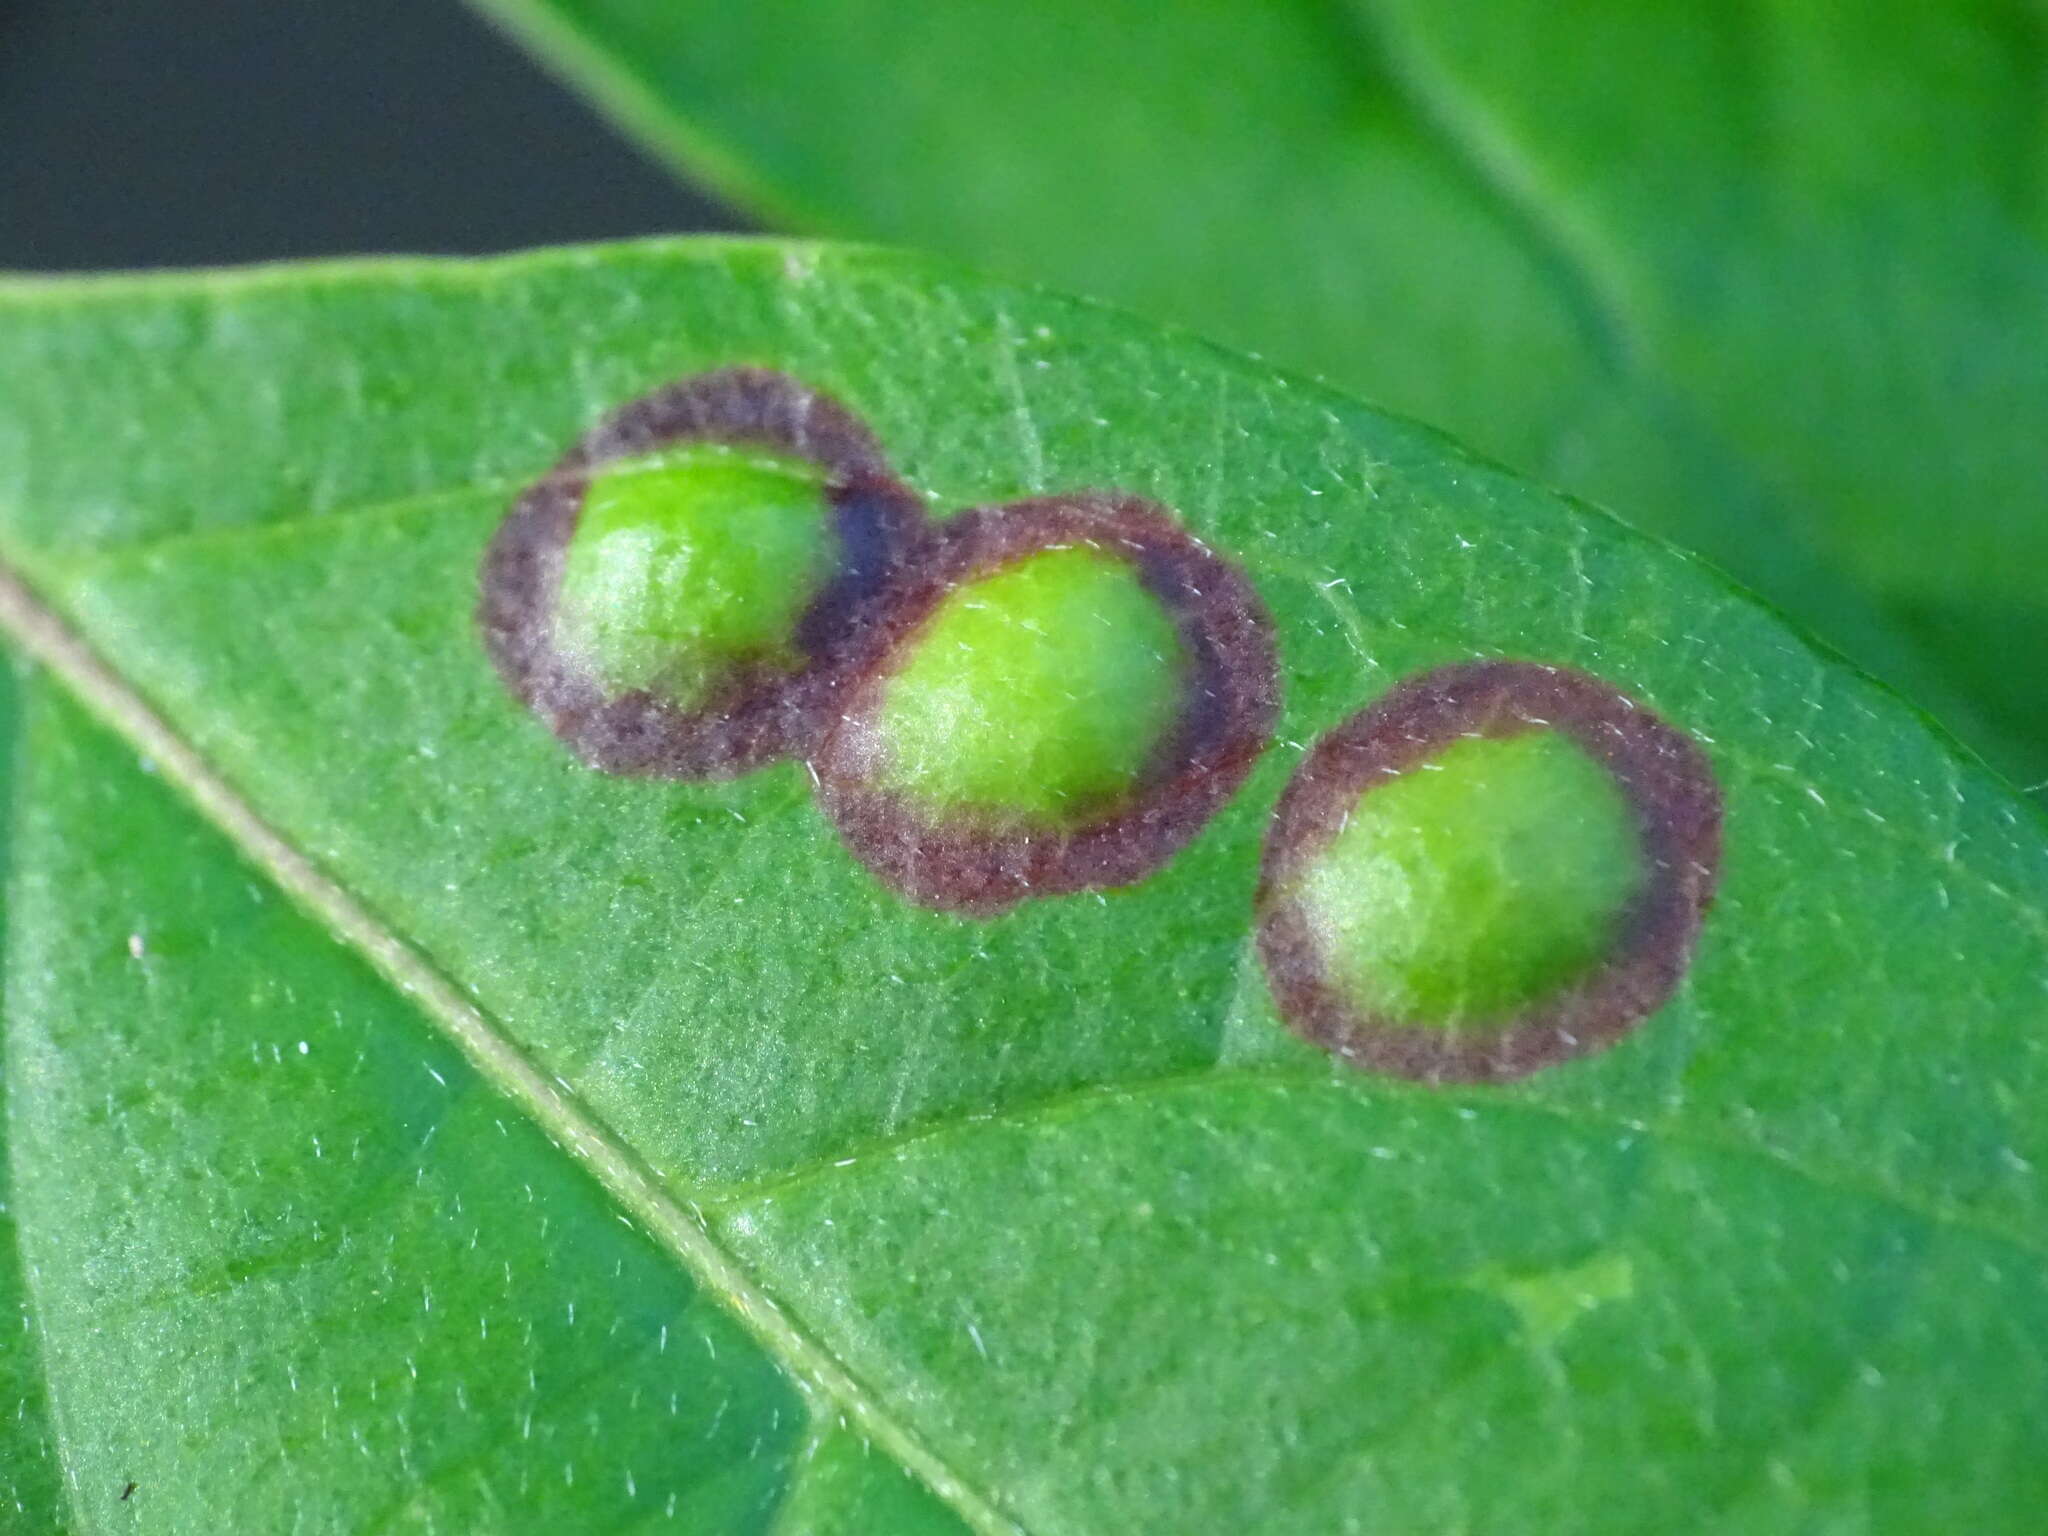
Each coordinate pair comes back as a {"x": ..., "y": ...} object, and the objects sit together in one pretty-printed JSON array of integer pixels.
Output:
[
  {"x": 1476, "y": 884},
  {"x": 1035, "y": 696},
  {"x": 690, "y": 563}
]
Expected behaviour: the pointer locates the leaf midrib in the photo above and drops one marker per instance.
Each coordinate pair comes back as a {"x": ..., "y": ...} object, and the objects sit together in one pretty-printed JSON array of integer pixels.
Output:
[
  {"x": 115, "y": 554},
  {"x": 640, "y": 1193},
  {"x": 41, "y": 632},
  {"x": 38, "y": 630}
]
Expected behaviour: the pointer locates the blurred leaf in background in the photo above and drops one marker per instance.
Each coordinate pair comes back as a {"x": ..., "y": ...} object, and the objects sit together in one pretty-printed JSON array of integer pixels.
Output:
[{"x": 1769, "y": 279}]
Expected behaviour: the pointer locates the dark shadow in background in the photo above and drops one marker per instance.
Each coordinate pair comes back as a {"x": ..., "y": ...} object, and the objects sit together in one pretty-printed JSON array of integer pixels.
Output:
[{"x": 186, "y": 132}]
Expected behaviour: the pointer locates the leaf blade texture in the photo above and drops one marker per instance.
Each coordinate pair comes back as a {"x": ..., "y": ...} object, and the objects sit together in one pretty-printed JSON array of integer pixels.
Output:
[{"x": 1051, "y": 1209}]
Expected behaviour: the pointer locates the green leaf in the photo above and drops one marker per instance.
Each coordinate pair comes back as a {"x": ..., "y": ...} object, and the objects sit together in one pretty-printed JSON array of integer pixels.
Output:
[
  {"x": 1771, "y": 280},
  {"x": 1044, "y": 1221},
  {"x": 29, "y": 1471},
  {"x": 293, "y": 1264}
]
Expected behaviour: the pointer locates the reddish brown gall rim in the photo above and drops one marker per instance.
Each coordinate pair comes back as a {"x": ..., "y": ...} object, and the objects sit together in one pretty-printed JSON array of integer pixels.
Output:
[
  {"x": 1230, "y": 700},
  {"x": 1666, "y": 781},
  {"x": 757, "y": 713}
]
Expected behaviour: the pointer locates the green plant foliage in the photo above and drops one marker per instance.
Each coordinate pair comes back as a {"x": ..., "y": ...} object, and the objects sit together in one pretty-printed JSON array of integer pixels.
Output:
[
  {"x": 660, "y": 1151},
  {"x": 294, "y": 1264},
  {"x": 1771, "y": 279}
]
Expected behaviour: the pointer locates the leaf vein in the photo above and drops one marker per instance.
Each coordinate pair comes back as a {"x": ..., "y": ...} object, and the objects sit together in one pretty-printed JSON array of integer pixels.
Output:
[
  {"x": 1940, "y": 1214},
  {"x": 677, "y": 1225}
]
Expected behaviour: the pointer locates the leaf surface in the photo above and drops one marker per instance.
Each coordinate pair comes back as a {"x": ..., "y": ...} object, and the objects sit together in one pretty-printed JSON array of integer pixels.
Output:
[
  {"x": 29, "y": 1485},
  {"x": 1770, "y": 280},
  {"x": 292, "y": 1263},
  {"x": 1051, "y": 1209}
]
